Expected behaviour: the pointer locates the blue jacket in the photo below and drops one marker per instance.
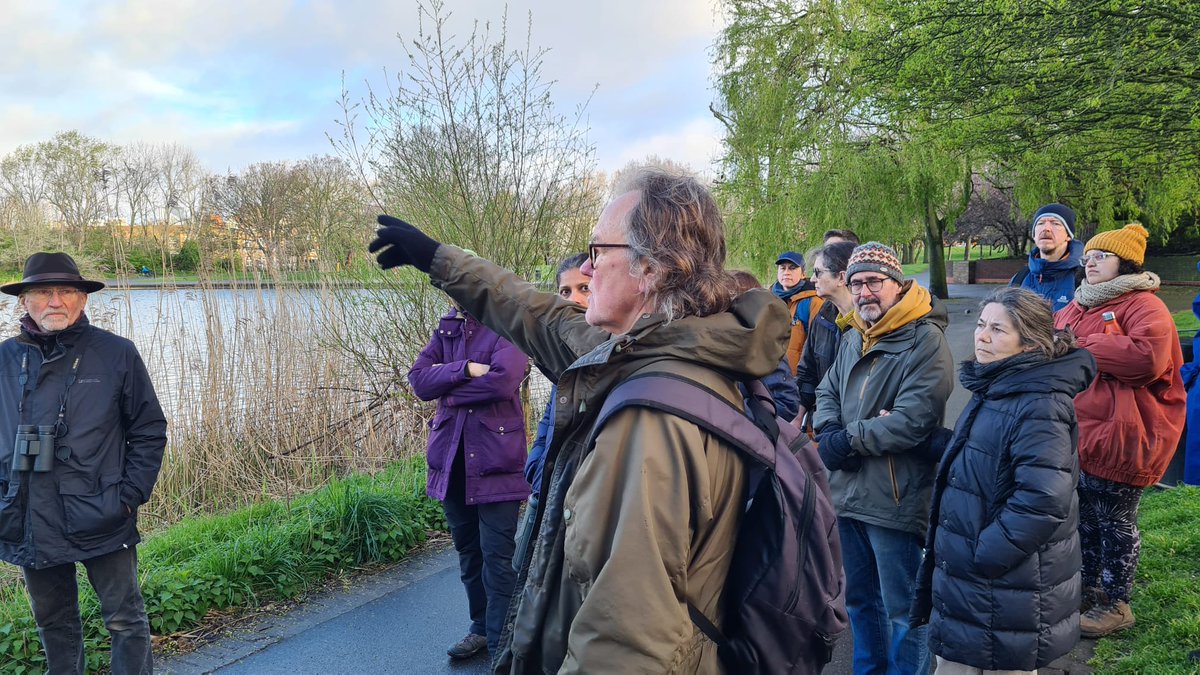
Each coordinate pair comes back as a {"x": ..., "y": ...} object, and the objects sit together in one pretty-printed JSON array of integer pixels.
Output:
[
  {"x": 782, "y": 386},
  {"x": 1000, "y": 583},
  {"x": 1191, "y": 380},
  {"x": 541, "y": 441},
  {"x": 1054, "y": 281}
]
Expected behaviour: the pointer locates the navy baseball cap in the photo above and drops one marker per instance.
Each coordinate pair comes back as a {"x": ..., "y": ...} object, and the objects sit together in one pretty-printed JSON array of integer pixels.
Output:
[{"x": 792, "y": 257}]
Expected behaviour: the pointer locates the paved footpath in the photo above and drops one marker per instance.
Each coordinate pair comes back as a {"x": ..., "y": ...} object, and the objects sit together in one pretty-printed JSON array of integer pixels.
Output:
[{"x": 402, "y": 620}]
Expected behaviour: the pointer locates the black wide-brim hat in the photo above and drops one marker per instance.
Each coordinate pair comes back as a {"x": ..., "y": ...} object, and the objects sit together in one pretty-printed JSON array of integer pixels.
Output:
[{"x": 51, "y": 268}]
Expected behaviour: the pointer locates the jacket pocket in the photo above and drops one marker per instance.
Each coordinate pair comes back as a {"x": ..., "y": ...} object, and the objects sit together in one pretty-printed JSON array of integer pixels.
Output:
[
  {"x": 12, "y": 511},
  {"x": 91, "y": 512},
  {"x": 501, "y": 446}
]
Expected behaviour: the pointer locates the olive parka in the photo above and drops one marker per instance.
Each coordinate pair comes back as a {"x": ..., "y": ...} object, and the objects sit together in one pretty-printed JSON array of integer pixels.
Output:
[
  {"x": 1001, "y": 588},
  {"x": 637, "y": 524},
  {"x": 116, "y": 434}
]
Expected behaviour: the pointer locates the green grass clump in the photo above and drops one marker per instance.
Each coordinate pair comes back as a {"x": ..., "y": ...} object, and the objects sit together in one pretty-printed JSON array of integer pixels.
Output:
[
  {"x": 269, "y": 551},
  {"x": 1166, "y": 595},
  {"x": 1186, "y": 322}
]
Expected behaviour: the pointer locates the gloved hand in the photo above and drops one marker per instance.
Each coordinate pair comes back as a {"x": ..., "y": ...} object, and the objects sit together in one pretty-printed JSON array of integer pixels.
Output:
[
  {"x": 933, "y": 449},
  {"x": 398, "y": 243},
  {"x": 833, "y": 445}
]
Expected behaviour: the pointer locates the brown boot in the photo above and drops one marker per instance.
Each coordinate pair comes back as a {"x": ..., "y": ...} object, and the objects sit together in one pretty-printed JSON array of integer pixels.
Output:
[
  {"x": 1106, "y": 619},
  {"x": 1092, "y": 596}
]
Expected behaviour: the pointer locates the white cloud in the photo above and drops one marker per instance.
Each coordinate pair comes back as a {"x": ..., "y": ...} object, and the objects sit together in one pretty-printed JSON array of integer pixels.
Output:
[
  {"x": 696, "y": 144},
  {"x": 257, "y": 81}
]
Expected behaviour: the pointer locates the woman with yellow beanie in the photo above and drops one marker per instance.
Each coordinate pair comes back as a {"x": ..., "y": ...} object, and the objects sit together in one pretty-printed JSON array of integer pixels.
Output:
[{"x": 1130, "y": 418}]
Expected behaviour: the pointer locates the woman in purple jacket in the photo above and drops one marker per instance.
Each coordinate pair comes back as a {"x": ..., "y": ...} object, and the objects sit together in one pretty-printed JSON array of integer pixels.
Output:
[{"x": 476, "y": 457}]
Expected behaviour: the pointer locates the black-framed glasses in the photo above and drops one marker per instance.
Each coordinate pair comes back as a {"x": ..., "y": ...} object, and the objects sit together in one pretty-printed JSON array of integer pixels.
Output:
[
  {"x": 875, "y": 285},
  {"x": 1096, "y": 257},
  {"x": 593, "y": 250}
]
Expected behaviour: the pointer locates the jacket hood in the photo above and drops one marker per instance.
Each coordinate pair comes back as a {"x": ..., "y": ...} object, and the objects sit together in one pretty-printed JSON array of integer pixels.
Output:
[
  {"x": 1068, "y": 374},
  {"x": 916, "y": 304},
  {"x": 746, "y": 341},
  {"x": 1070, "y": 262}
]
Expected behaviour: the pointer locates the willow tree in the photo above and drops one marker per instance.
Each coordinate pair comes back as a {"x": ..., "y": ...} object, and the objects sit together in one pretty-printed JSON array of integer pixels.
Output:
[
  {"x": 1094, "y": 102},
  {"x": 813, "y": 142}
]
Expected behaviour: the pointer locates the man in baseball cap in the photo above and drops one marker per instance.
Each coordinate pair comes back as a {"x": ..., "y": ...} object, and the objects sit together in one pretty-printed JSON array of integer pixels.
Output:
[{"x": 801, "y": 297}]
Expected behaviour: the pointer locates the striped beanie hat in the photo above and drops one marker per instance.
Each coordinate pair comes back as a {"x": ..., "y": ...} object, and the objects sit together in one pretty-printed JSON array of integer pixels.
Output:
[{"x": 875, "y": 257}]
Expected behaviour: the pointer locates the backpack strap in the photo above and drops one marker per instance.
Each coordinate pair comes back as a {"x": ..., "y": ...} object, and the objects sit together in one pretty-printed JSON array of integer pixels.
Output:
[
  {"x": 1019, "y": 277},
  {"x": 687, "y": 399}
]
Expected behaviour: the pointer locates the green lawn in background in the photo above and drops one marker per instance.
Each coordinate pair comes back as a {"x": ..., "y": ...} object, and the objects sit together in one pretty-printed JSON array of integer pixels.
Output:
[
  {"x": 1166, "y": 593},
  {"x": 1185, "y": 321}
]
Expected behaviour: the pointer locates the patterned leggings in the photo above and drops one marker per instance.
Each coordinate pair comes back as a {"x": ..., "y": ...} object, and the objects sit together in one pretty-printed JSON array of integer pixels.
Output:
[{"x": 1108, "y": 534}]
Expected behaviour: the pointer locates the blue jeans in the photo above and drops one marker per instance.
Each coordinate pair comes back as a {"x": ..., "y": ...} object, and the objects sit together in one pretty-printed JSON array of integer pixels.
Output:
[
  {"x": 54, "y": 597},
  {"x": 881, "y": 570}
]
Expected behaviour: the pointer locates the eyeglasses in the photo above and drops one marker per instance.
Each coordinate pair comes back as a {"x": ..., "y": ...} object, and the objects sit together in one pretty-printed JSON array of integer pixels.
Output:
[
  {"x": 818, "y": 271},
  {"x": 875, "y": 285},
  {"x": 44, "y": 294},
  {"x": 594, "y": 250},
  {"x": 1096, "y": 257}
]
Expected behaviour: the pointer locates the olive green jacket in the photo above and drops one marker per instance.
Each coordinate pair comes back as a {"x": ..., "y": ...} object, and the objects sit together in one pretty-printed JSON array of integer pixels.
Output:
[{"x": 641, "y": 522}]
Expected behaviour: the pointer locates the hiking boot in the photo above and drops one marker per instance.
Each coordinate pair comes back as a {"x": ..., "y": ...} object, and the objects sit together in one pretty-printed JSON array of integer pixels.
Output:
[
  {"x": 467, "y": 647},
  {"x": 1106, "y": 619},
  {"x": 1092, "y": 596}
]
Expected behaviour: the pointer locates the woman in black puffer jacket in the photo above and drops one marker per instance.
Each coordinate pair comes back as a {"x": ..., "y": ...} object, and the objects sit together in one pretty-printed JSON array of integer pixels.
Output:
[{"x": 1000, "y": 586}]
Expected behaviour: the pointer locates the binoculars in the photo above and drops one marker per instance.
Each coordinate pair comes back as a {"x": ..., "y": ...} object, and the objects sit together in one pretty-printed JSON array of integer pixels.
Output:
[{"x": 34, "y": 448}]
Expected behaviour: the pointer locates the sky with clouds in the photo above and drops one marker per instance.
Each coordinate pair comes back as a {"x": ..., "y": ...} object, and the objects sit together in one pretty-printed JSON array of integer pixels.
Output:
[{"x": 241, "y": 81}]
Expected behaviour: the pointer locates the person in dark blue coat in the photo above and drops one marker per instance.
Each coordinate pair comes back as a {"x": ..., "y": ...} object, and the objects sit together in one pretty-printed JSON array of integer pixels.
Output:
[
  {"x": 1054, "y": 270},
  {"x": 1000, "y": 585},
  {"x": 1191, "y": 380}
]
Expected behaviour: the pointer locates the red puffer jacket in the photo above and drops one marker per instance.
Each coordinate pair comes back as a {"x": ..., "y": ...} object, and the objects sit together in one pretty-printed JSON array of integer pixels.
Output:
[{"x": 1131, "y": 417}]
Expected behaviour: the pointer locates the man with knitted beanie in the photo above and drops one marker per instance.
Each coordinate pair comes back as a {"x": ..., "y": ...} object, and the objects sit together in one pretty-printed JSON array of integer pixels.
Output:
[
  {"x": 879, "y": 419},
  {"x": 1053, "y": 271}
]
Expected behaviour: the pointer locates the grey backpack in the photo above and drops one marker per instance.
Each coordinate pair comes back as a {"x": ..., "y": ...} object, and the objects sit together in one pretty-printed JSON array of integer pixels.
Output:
[{"x": 784, "y": 602}]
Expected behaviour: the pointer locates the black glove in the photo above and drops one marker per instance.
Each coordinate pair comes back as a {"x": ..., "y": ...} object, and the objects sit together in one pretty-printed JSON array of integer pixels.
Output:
[
  {"x": 398, "y": 243},
  {"x": 836, "y": 453},
  {"x": 933, "y": 449}
]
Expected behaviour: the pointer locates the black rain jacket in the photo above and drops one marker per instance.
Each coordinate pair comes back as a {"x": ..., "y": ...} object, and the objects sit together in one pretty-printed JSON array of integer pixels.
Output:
[
  {"x": 1000, "y": 587},
  {"x": 116, "y": 434}
]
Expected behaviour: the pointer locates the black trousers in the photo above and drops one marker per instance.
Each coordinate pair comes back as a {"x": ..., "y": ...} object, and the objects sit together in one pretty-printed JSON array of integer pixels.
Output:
[
  {"x": 484, "y": 536},
  {"x": 54, "y": 597}
]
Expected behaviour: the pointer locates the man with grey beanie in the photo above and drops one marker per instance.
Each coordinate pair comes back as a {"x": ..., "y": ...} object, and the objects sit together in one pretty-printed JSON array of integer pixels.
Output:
[
  {"x": 878, "y": 419},
  {"x": 1054, "y": 269}
]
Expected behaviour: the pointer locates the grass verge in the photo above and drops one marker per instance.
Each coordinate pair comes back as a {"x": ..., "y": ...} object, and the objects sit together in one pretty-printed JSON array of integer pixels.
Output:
[
  {"x": 1166, "y": 596},
  {"x": 270, "y": 551},
  {"x": 1186, "y": 322}
]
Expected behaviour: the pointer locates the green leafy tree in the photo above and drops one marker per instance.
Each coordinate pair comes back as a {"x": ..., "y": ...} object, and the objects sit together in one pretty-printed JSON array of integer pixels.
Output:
[
  {"x": 813, "y": 143},
  {"x": 1088, "y": 101}
]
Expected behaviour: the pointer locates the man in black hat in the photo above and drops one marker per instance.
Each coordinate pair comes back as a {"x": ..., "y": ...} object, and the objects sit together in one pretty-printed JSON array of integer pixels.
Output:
[{"x": 87, "y": 437}]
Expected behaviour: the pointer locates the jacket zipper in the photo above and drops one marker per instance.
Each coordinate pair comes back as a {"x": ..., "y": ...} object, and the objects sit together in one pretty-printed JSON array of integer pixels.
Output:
[
  {"x": 863, "y": 389},
  {"x": 895, "y": 484}
]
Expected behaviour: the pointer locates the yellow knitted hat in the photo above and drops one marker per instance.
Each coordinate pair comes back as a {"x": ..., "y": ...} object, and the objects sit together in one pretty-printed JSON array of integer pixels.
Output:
[{"x": 1129, "y": 242}]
